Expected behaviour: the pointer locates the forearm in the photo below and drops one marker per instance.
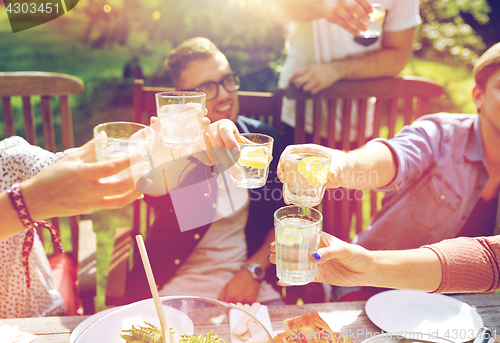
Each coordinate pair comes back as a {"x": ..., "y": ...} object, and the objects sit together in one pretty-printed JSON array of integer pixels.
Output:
[
  {"x": 286, "y": 10},
  {"x": 385, "y": 62},
  {"x": 373, "y": 166},
  {"x": 418, "y": 269}
]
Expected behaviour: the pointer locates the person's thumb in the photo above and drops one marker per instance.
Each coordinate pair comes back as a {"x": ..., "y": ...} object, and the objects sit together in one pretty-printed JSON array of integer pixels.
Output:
[{"x": 337, "y": 251}]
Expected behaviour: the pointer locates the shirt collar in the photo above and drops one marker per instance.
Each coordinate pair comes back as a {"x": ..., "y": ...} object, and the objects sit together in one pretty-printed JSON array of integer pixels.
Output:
[{"x": 474, "y": 147}]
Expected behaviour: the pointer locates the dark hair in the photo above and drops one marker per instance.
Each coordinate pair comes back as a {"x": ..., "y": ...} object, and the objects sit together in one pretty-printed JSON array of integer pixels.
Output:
[
  {"x": 486, "y": 65},
  {"x": 193, "y": 49}
]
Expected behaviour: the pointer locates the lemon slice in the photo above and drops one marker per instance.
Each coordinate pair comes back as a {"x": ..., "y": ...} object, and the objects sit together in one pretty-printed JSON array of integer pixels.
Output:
[
  {"x": 254, "y": 157},
  {"x": 377, "y": 16},
  {"x": 314, "y": 169},
  {"x": 254, "y": 162},
  {"x": 289, "y": 235}
]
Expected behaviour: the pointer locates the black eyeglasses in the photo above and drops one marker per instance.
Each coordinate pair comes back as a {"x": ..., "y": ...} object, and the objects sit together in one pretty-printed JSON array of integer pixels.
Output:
[{"x": 230, "y": 82}]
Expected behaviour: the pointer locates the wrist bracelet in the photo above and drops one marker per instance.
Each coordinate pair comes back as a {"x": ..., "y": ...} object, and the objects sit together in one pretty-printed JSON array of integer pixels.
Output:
[{"x": 17, "y": 202}]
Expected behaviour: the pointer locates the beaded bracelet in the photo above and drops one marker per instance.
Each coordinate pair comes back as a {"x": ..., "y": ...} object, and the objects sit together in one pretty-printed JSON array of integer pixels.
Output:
[{"x": 17, "y": 201}]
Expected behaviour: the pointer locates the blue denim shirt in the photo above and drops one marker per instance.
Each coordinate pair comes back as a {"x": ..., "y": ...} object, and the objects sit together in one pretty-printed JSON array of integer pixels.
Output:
[{"x": 441, "y": 173}]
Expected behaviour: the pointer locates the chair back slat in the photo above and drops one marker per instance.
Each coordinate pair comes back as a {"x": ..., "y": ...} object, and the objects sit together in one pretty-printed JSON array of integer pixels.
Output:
[
  {"x": 346, "y": 124},
  {"x": 7, "y": 117},
  {"x": 68, "y": 140},
  {"x": 29, "y": 121},
  {"x": 398, "y": 100},
  {"x": 48, "y": 124},
  {"x": 30, "y": 85},
  {"x": 318, "y": 111},
  {"x": 300, "y": 122}
]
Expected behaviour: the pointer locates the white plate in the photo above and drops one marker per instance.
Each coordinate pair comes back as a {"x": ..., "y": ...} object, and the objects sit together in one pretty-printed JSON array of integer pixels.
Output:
[
  {"x": 86, "y": 323},
  {"x": 433, "y": 314},
  {"x": 108, "y": 327}
]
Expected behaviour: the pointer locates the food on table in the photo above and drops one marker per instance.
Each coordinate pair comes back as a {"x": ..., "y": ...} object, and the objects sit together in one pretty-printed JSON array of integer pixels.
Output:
[
  {"x": 247, "y": 327},
  {"x": 208, "y": 338},
  {"x": 152, "y": 334},
  {"x": 142, "y": 334},
  {"x": 309, "y": 328}
]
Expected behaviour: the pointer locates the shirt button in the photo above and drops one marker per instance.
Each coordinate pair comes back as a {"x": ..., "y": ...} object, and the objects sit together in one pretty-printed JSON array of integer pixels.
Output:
[
  {"x": 196, "y": 236},
  {"x": 214, "y": 205},
  {"x": 177, "y": 261},
  {"x": 171, "y": 210},
  {"x": 442, "y": 197}
]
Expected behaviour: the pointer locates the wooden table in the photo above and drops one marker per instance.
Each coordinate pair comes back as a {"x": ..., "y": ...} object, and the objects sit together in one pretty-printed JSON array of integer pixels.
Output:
[{"x": 348, "y": 318}]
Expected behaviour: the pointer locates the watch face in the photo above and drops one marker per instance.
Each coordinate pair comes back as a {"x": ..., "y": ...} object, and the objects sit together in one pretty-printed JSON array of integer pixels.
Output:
[{"x": 259, "y": 272}]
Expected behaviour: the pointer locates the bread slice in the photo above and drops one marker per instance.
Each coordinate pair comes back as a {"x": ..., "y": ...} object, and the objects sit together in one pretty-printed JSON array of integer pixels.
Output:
[{"x": 309, "y": 328}]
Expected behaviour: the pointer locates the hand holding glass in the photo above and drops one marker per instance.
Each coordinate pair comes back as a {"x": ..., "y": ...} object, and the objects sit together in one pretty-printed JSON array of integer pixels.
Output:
[
  {"x": 181, "y": 115},
  {"x": 255, "y": 156},
  {"x": 297, "y": 232},
  {"x": 117, "y": 139},
  {"x": 305, "y": 176},
  {"x": 376, "y": 22}
]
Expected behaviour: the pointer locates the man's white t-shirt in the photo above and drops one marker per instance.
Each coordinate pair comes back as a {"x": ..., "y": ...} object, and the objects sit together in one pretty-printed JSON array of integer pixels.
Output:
[
  {"x": 220, "y": 253},
  {"x": 320, "y": 41}
]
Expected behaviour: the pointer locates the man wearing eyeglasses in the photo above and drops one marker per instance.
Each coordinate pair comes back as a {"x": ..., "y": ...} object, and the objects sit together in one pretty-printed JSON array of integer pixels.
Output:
[{"x": 227, "y": 258}]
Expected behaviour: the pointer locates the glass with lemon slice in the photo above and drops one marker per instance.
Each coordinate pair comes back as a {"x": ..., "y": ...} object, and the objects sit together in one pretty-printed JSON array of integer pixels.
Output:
[
  {"x": 254, "y": 159},
  {"x": 375, "y": 22},
  {"x": 297, "y": 232},
  {"x": 305, "y": 176}
]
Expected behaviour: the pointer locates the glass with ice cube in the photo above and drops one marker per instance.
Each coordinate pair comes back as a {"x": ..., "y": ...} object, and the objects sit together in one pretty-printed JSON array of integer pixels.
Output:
[
  {"x": 254, "y": 159},
  {"x": 181, "y": 115},
  {"x": 117, "y": 139},
  {"x": 297, "y": 231},
  {"x": 375, "y": 23},
  {"x": 305, "y": 176}
]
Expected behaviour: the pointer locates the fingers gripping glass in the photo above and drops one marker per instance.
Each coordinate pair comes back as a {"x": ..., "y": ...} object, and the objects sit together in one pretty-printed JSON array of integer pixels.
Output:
[{"x": 230, "y": 82}]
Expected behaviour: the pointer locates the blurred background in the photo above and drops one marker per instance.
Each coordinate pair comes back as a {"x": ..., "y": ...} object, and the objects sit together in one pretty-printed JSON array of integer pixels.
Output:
[{"x": 108, "y": 43}]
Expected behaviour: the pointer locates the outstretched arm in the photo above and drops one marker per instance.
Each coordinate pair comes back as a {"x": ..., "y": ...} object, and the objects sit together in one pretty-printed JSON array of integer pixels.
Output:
[
  {"x": 69, "y": 187},
  {"x": 369, "y": 167}
]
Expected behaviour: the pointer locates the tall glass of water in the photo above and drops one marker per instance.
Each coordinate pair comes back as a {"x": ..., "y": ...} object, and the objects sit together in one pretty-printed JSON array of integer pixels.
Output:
[
  {"x": 305, "y": 176},
  {"x": 297, "y": 232},
  {"x": 118, "y": 139},
  {"x": 181, "y": 115}
]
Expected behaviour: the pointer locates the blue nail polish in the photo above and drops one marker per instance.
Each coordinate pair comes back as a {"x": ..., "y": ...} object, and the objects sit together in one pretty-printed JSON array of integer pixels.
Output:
[
  {"x": 316, "y": 256},
  {"x": 269, "y": 246},
  {"x": 278, "y": 283},
  {"x": 268, "y": 256}
]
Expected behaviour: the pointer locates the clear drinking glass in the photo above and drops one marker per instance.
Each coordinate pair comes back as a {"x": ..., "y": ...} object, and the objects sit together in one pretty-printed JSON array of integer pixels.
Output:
[
  {"x": 180, "y": 114},
  {"x": 297, "y": 232},
  {"x": 375, "y": 23},
  {"x": 117, "y": 139},
  {"x": 254, "y": 160},
  {"x": 306, "y": 174}
]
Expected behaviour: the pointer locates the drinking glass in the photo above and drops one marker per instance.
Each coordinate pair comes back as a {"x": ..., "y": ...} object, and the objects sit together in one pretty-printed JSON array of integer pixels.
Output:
[
  {"x": 297, "y": 232},
  {"x": 375, "y": 22},
  {"x": 254, "y": 160},
  {"x": 117, "y": 139},
  {"x": 181, "y": 115},
  {"x": 305, "y": 176}
]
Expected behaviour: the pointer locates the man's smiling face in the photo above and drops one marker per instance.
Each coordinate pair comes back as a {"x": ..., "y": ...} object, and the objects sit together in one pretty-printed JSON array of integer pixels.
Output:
[{"x": 213, "y": 69}]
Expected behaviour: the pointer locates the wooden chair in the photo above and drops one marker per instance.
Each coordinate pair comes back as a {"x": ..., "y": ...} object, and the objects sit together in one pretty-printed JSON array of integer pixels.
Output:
[
  {"x": 399, "y": 100},
  {"x": 262, "y": 106},
  {"x": 28, "y": 85}
]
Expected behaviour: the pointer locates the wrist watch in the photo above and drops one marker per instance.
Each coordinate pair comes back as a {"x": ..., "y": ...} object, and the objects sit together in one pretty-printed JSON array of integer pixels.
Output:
[{"x": 255, "y": 269}]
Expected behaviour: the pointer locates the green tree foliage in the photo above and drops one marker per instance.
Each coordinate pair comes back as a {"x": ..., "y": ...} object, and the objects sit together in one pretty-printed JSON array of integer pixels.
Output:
[
  {"x": 457, "y": 31},
  {"x": 250, "y": 44}
]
